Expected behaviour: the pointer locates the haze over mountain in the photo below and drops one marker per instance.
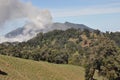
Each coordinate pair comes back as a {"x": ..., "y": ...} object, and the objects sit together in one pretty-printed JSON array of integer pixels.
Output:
[
  {"x": 15, "y": 9},
  {"x": 57, "y": 25},
  {"x": 40, "y": 20},
  {"x": 21, "y": 34}
]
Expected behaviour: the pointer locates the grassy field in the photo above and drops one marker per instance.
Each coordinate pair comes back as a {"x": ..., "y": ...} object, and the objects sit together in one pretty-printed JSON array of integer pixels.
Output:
[{"x": 21, "y": 69}]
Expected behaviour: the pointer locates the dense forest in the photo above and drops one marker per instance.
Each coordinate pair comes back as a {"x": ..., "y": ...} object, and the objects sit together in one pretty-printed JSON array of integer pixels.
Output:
[{"x": 93, "y": 50}]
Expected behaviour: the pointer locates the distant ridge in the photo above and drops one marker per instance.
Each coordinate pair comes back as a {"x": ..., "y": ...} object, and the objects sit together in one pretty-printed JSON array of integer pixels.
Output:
[{"x": 58, "y": 26}]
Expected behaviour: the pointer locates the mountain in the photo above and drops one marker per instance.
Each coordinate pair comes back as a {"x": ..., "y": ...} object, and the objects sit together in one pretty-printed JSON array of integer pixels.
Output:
[
  {"x": 58, "y": 26},
  {"x": 57, "y": 46},
  {"x": 67, "y": 25},
  {"x": 15, "y": 32}
]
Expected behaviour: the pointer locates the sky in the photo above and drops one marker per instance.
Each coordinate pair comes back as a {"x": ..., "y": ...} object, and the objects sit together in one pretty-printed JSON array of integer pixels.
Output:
[{"x": 98, "y": 14}]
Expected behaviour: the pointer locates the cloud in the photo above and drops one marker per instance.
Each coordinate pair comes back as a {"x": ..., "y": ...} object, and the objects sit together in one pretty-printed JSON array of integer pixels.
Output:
[
  {"x": 14, "y": 9},
  {"x": 88, "y": 10}
]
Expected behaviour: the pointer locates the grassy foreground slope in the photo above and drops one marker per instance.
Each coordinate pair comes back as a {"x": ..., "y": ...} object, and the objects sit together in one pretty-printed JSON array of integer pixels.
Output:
[{"x": 21, "y": 69}]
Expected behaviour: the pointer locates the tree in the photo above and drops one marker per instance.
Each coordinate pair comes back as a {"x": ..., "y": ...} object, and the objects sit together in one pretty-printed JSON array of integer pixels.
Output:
[
  {"x": 97, "y": 32},
  {"x": 104, "y": 58},
  {"x": 87, "y": 32}
]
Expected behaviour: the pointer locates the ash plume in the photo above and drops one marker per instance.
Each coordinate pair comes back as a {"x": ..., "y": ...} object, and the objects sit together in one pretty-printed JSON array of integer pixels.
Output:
[{"x": 14, "y": 9}]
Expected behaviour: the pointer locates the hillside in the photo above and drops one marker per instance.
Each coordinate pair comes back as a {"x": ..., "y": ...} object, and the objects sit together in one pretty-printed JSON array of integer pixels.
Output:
[
  {"x": 21, "y": 69},
  {"x": 58, "y": 46},
  {"x": 72, "y": 46}
]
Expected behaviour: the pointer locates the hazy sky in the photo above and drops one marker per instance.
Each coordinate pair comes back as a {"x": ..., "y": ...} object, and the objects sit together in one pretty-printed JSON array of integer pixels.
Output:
[{"x": 98, "y": 14}]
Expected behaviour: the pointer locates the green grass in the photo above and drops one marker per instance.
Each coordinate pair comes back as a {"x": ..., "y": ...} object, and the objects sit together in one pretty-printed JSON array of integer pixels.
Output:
[{"x": 22, "y": 69}]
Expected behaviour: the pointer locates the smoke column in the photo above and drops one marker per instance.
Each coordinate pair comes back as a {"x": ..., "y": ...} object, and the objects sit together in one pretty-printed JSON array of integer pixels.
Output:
[{"x": 14, "y": 9}]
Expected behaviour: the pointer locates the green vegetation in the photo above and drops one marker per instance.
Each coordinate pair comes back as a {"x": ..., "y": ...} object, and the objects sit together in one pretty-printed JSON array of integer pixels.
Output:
[
  {"x": 104, "y": 58},
  {"x": 21, "y": 69},
  {"x": 97, "y": 52},
  {"x": 114, "y": 36}
]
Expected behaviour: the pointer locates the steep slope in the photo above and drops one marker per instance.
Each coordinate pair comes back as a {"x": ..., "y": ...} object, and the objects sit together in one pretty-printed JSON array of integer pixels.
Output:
[{"x": 21, "y": 69}]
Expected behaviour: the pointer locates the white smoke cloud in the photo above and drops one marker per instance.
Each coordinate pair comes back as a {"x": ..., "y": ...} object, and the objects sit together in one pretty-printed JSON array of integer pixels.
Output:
[{"x": 14, "y": 9}]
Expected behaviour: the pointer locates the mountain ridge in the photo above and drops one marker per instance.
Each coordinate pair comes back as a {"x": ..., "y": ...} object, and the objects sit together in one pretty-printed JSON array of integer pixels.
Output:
[{"x": 54, "y": 26}]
